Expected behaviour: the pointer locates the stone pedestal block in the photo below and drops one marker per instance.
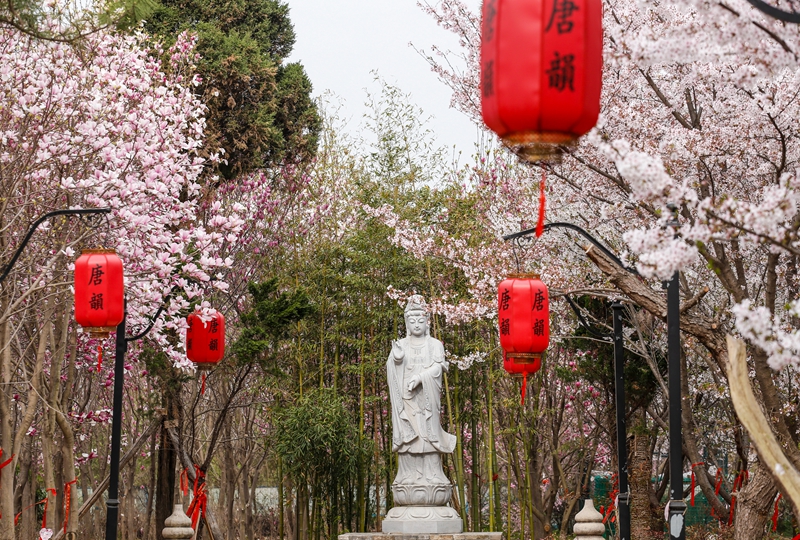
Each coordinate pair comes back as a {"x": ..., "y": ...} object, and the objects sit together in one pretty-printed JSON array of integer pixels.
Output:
[
  {"x": 425, "y": 536},
  {"x": 417, "y": 520}
]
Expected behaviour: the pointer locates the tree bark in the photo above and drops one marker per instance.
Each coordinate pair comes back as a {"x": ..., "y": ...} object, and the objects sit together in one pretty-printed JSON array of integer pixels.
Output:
[
  {"x": 754, "y": 504},
  {"x": 640, "y": 468},
  {"x": 165, "y": 485}
]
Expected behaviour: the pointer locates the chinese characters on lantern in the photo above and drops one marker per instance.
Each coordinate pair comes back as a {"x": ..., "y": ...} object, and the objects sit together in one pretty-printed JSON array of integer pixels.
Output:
[
  {"x": 205, "y": 341},
  {"x": 562, "y": 13},
  {"x": 99, "y": 291},
  {"x": 541, "y": 73}
]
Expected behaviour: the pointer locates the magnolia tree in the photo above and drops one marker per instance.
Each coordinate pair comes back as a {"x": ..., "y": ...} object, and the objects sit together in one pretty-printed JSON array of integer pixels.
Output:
[
  {"x": 699, "y": 110},
  {"x": 103, "y": 123}
]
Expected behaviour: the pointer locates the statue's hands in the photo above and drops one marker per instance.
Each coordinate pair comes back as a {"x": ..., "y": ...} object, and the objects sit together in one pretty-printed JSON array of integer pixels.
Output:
[
  {"x": 413, "y": 382},
  {"x": 397, "y": 351}
]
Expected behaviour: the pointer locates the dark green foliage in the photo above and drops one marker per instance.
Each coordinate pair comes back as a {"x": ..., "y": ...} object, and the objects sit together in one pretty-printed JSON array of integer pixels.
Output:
[
  {"x": 267, "y": 321},
  {"x": 133, "y": 12},
  {"x": 259, "y": 110},
  {"x": 318, "y": 440}
]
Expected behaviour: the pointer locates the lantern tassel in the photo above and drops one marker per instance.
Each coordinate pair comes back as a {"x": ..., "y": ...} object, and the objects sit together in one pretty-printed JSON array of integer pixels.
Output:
[
  {"x": 524, "y": 387},
  {"x": 99, "y": 358},
  {"x": 203, "y": 385},
  {"x": 542, "y": 201}
]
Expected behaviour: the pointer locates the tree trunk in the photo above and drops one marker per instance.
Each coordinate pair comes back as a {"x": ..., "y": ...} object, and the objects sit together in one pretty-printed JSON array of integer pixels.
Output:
[
  {"x": 165, "y": 485},
  {"x": 754, "y": 504},
  {"x": 640, "y": 469},
  {"x": 151, "y": 488}
]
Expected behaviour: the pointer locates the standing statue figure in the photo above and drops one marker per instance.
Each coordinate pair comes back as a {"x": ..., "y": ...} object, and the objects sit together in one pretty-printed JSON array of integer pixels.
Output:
[{"x": 414, "y": 371}]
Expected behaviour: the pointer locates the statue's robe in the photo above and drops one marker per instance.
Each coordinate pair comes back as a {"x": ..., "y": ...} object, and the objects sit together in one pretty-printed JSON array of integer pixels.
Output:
[{"x": 416, "y": 423}]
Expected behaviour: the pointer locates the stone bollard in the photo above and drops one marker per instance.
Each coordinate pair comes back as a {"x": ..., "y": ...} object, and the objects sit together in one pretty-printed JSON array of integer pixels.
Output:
[
  {"x": 589, "y": 523},
  {"x": 178, "y": 525}
]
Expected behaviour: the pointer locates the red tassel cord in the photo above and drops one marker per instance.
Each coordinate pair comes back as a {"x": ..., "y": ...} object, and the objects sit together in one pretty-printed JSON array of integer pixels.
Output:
[
  {"x": 99, "y": 358},
  {"x": 542, "y": 201},
  {"x": 203, "y": 385},
  {"x": 197, "y": 507},
  {"x": 67, "y": 498},
  {"x": 524, "y": 387},
  {"x": 693, "y": 478},
  {"x": 775, "y": 514}
]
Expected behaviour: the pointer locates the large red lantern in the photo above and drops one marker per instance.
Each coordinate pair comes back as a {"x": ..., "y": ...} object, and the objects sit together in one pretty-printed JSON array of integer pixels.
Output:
[
  {"x": 541, "y": 72},
  {"x": 99, "y": 291},
  {"x": 523, "y": 310},
  {"x": 205, "y": 340}
]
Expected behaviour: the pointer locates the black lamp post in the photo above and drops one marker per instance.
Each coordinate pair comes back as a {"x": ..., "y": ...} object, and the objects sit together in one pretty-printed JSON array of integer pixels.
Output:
[
  {"x": 676, "y": 505},
  {"x": 121, "y": 347}
]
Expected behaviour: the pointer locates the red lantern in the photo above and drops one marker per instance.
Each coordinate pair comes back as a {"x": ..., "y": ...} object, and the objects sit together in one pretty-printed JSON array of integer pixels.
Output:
[
  {"x": 523, "y": 310},
  {"x": 99, "y": 291},
  {"x": 541, "y": 72},
  {"x": 205, "y": 341}
]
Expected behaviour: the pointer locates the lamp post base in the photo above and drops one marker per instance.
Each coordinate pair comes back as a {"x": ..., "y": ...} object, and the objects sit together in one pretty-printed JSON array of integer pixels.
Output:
[{"x": 676, "y": 522}]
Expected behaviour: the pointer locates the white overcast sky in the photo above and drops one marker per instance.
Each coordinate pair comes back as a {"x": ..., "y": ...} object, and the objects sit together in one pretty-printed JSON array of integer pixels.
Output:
[{"x": 340, "y": 42}]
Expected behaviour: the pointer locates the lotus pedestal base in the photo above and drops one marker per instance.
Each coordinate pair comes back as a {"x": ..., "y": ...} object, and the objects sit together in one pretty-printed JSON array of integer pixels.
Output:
[{"x": 422, "y": 509}]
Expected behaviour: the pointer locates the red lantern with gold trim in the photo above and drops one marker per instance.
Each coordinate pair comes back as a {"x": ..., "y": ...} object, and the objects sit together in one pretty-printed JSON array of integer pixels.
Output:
[
  {"x": 523, "y": 309},
  {"x": 205, "y": 341},
  {"x": 541, "y": 72},
  {"x": 99, "y": 291}
]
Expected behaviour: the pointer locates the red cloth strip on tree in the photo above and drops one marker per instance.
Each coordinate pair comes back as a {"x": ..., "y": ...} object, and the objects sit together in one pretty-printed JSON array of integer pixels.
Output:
[
  {"x": 738, "y": 483},
  {"x": 197, "y": 507},
  {"x": 184, "y": 480},
  {"x": 3, "y": 464},
  {"x": 67, "y": 498},
  {"x": 53, "y": 492},
  {"x": 775, "y": 514},
  {"x": 693, "y": 479}
]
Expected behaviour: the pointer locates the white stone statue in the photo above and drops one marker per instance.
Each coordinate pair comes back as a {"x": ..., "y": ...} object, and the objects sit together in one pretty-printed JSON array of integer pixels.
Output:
[{"x": 414, "y": 372}]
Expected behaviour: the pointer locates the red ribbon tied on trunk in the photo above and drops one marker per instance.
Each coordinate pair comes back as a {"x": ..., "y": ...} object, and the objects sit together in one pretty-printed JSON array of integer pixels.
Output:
[
  {"x": 775, "y": 514},
  {"x": 738, "y": 483},
  {"x": 197, "y": 507},
  {"x": 67, "y": 498},
  {"x": 693, "y": 479},
  {"x": 184, "y": 479}
]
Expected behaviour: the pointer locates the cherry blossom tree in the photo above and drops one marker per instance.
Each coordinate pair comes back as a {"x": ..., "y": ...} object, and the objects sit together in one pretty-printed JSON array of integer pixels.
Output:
[
  {"x": 699, "y": 110},
  {"x": 103, "y": 123}
]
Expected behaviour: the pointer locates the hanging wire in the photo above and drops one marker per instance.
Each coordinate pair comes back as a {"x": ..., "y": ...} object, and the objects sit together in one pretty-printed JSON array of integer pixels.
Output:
[
  {"x": 519, "y": 246},
  {"x": 95, "y": 222}
]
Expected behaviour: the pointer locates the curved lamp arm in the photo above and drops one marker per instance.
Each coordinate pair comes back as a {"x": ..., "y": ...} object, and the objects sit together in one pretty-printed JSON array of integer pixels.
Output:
[
  {"x": 76, "y": 212},
  {"x": 579, "y": 230}
]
